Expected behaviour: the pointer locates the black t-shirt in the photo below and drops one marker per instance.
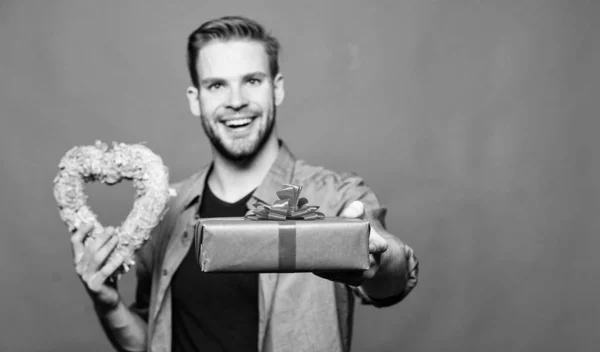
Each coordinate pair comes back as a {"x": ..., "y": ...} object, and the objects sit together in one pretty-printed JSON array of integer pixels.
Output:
[{"x": 214, "y": 311}]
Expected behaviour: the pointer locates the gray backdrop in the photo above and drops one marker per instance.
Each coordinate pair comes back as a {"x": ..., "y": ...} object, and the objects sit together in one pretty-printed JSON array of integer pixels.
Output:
[{"x": 474, "y": 121}]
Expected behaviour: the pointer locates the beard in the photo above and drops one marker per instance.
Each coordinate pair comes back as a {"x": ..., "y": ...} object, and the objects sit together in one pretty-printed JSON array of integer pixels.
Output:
[{"x": 246, "y": 152}]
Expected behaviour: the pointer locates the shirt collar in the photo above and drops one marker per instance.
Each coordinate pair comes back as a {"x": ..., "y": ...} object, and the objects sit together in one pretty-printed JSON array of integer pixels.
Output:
[{"x": 281, "y": 172}]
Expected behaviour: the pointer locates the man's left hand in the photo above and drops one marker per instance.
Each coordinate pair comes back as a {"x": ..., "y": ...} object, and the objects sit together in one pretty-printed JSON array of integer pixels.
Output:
[{"x": 377, "y": 245}]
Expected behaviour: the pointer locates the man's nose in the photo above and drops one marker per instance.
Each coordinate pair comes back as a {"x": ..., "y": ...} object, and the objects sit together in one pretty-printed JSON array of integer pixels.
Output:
[{"x": 237, "y": 99}]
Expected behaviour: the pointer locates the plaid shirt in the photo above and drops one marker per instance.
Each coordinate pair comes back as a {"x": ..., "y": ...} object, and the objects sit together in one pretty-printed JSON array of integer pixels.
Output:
[{"x": 297, "y": 311}]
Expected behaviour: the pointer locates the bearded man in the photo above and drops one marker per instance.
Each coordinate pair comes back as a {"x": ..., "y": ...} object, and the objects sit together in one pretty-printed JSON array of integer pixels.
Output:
[{"x": 236, "y": 88}]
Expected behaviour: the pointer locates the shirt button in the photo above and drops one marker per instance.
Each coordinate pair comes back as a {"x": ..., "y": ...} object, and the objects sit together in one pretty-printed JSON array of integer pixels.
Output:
[{"x": 165, "y": 272}]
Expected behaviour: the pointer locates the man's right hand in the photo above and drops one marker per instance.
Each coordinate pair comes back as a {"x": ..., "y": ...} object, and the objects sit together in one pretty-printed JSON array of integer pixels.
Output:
[{"x": 91, "y": 265}]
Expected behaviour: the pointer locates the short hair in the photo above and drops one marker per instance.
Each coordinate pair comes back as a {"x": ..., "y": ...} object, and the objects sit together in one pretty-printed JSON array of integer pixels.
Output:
[{"x": 229, "y": 28}]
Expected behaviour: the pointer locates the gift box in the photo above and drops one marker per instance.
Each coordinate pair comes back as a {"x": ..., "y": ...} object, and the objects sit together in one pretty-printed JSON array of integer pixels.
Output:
[{"x": 289, "y": 236}]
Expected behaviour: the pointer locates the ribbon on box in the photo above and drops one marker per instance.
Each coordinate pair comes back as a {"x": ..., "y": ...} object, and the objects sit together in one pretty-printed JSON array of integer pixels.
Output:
[{"x": 289, "y": 208}]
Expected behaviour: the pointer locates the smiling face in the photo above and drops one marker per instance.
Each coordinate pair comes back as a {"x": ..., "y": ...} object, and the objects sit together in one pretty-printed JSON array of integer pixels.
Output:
[{"x": 237, "y": 97}]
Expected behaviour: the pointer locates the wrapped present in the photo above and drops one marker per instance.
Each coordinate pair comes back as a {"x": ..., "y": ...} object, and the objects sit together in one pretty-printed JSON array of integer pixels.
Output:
[{"x": 288, "y": 236}]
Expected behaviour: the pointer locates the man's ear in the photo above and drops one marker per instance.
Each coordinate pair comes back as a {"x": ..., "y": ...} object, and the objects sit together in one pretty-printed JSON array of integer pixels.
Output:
[
  {"x": 192, "y": 95},
  {"x": 279, "y": 91}
]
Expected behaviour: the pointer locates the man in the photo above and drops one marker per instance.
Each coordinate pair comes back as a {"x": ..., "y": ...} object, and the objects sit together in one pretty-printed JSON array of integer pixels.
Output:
[{"x": 236, "y": 88}]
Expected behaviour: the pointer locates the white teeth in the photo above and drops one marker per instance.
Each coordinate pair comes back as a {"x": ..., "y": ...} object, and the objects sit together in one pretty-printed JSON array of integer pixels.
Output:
[{"x": 238, "y": 122}]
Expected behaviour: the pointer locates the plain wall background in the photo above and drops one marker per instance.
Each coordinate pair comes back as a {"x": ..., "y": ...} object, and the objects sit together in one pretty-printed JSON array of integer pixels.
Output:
[{"x": 474, "y": 121}]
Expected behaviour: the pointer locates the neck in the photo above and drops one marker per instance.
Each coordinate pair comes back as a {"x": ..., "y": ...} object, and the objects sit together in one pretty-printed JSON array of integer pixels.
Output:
[{"x": 230, "y": 180}]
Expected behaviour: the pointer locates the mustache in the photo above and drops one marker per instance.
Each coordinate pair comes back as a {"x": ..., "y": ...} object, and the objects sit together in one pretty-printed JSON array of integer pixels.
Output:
[{"x": 245, "y": 112}]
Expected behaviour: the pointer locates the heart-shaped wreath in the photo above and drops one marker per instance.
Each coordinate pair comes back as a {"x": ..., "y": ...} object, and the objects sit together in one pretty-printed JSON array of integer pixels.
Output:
[{"x": 96, "y": 163}]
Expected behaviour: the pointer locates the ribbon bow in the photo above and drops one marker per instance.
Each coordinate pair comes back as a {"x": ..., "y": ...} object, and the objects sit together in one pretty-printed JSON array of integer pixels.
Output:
[{"x": 288, "y": 207}]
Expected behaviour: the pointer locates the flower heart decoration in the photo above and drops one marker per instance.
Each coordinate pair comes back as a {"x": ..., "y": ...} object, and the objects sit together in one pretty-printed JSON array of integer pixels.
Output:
[{"x": 96, "y": 163}]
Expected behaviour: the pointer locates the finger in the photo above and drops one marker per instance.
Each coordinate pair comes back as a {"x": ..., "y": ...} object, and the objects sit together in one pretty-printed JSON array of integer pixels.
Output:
[
  {"x": 103, "y": 252},
  {"x": 377, "y": 244},
  {"x": 373, "y": 268},
  {"x": 77, "y": 240},
  {"x": 356, "y": 209},
  {"x": 99, "y": 241},
  {"x": 99, "y": 278},
  {"x": 109, "y": 230},
  {"x": 91, "y": 247},
  {"x": 94, "y": 257}
]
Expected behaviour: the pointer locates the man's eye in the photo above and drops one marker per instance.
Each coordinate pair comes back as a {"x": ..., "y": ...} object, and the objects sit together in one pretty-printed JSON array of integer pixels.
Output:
[
  {"x": 215, "y": 86},
  {"x": 253, "y": 81}
]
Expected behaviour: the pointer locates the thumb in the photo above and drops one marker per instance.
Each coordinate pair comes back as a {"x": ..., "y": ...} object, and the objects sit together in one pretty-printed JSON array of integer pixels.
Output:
[
  {"x": 356, "y": 209},
  {"x": 377, "y": 244}
]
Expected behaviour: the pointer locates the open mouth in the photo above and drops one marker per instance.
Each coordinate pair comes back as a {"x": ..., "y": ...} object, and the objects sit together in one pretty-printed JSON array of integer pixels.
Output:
[{"x": 239, "y": 122}]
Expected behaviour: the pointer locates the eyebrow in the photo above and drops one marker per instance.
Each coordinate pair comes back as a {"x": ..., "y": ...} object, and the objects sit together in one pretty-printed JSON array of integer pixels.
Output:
[
  {"x": 260, "y": 75},
  {"x": 213, "y": 80},
  {"x": 210, "y": 80}
]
